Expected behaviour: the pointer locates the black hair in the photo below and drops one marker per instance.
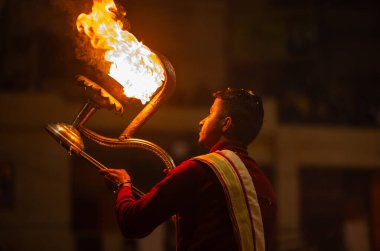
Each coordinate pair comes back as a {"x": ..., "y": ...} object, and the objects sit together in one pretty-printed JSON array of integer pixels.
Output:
[{"x": 247, "y": 113}]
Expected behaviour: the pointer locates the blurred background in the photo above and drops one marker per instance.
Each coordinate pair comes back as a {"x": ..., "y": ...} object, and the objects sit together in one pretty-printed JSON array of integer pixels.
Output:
[{"x": 314, "y": 62}]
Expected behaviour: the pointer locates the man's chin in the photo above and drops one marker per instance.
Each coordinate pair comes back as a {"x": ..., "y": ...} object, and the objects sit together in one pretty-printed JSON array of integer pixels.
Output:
[
  {"x": 201, "y": 142},
  {"x": 204, "y": 144}
]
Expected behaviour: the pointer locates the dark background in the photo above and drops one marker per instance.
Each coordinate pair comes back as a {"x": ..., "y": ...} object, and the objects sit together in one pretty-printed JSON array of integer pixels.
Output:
[{"x": 317, "y": 59}]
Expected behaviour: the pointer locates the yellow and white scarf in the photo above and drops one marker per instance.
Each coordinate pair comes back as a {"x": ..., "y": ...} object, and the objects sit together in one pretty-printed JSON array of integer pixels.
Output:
[{"x": 241, "y": 198}]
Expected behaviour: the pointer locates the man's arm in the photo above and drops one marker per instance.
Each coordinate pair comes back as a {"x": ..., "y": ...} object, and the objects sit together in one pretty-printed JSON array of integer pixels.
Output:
[{"x": 139, "y": 217}]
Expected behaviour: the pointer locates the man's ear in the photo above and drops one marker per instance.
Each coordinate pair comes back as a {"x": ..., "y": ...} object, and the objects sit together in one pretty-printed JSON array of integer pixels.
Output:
[{"x": 227, "y": 123}]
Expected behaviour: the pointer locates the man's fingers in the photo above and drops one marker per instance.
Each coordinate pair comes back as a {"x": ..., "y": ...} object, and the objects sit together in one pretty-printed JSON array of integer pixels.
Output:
[
  {"x": 115, "y": 175},
  {"x": 106, "y": 174}
]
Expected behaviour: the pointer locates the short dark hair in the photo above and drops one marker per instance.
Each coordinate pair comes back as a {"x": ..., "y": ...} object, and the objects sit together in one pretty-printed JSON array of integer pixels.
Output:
[{"x": 247, "y": 113}]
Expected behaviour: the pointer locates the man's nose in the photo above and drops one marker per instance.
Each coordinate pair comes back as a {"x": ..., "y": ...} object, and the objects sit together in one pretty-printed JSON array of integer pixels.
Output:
[{"x": 201, "y": 122}]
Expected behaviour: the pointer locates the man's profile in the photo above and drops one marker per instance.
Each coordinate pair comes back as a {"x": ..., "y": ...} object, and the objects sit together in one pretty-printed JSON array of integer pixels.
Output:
[{"x": 222, "y": 200}]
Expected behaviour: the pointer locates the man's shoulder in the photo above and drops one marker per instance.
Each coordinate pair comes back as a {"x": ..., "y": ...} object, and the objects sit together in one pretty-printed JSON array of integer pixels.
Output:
[
  {"x": 224, "y": 153},
  {"x": 191, "y": 167},
  {"x": 188, "y": 165}
]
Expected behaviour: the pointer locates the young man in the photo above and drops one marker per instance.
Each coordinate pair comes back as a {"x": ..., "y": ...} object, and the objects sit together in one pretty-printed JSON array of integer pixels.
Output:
[{"x": 222, "y": 200}]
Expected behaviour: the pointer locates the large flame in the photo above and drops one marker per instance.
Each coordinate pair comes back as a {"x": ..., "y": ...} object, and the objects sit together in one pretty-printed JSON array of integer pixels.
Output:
[{"x": 133, "y": 65}]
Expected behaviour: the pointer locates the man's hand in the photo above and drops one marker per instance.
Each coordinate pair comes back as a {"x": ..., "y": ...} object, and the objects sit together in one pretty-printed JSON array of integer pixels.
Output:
[{"x": 119, "y": 177}]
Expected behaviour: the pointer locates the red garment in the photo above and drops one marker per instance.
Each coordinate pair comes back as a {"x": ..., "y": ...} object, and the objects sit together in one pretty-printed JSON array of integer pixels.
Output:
[{"x": 193, "y": 192}]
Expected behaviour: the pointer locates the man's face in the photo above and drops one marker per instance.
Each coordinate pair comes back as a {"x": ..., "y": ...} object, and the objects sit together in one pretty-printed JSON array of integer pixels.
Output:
[{"x": 211, "y": 126}]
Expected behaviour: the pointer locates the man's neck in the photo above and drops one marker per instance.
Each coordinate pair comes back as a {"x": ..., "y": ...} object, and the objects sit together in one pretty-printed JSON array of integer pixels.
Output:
[{"x": 226, "y": 143}]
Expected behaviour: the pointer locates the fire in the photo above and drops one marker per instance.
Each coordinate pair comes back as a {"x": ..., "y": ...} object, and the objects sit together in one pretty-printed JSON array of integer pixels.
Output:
[{"x": 133, "y": 65}]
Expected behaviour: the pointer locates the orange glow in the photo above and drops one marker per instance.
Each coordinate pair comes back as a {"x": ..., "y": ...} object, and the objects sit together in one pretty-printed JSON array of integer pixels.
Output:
[{"x": 133, "y": 65}]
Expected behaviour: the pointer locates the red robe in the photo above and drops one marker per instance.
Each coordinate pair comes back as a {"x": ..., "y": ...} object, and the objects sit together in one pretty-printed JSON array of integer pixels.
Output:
[{"x": 193, "y": 192}]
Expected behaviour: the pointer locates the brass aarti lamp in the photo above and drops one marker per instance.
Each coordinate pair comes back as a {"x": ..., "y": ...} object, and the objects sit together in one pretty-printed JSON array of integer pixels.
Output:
[
  {"x": 135, "y": 72},
  {"x": 98, "y": 97}
]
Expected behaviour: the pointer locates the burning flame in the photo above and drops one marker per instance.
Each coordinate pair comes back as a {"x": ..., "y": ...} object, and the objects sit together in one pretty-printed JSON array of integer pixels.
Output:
[{"x": 133, "y": 65}]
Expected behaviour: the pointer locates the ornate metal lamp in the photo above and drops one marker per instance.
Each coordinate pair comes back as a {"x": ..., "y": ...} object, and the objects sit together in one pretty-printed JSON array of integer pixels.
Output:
[
  {"x": 134, "y": 72},
  {"x": 70, "y": 135}
]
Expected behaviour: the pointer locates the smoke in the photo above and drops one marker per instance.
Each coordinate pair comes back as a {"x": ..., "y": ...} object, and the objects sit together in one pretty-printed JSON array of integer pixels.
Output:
[
  {"x": 83, "y": 48},
  {"x": 73, "y": 7}
]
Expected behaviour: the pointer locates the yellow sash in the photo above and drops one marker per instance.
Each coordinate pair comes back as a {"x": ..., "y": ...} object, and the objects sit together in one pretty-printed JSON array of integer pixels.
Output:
[{"x": 241, "y": 198}]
